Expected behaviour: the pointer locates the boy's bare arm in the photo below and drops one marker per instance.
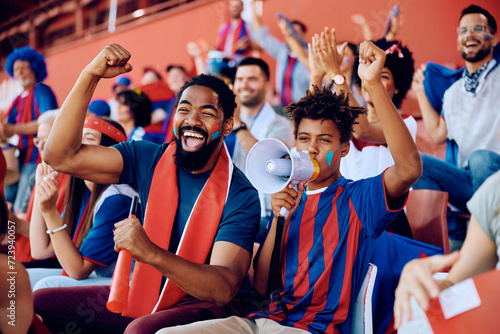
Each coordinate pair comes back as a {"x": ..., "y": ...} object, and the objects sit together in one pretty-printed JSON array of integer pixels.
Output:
[{"x": 288, "y": 198}]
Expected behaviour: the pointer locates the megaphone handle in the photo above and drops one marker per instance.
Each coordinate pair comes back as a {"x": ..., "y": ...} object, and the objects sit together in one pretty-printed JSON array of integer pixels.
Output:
[{"x": 284, "y": 211}]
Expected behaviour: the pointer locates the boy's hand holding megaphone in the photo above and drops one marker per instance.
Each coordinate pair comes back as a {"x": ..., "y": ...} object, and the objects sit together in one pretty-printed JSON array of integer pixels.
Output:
[{"x": 287, "y": 198}]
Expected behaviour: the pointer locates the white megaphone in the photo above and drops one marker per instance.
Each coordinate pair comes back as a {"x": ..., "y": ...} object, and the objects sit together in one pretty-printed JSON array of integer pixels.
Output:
[{"x": 271, "y": 166}]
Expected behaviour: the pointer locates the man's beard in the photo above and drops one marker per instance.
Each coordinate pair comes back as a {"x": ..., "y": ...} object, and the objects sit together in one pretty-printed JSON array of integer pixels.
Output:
[
  {"x": 194, "y": 161},
  {"x": 478, "y": 56},
  {"x": 254, "y": 100}
]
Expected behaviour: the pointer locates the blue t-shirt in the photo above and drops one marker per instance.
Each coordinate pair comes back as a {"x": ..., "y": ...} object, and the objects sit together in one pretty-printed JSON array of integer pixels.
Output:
[
  {"x": 392, "y": 252},
  {"x": 139, "y": 133},
  {"x": 241, "y": 215},
  {"x": 190, "y": 186},
  {"x": 98, "y": 245}
]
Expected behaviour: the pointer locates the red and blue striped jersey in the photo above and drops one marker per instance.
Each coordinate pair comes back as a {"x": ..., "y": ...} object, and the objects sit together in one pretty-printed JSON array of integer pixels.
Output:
[
  {"x": 26, "y": 108},
  {"x": 328, "y": 245},
  {"x": 234, "y": 38}
]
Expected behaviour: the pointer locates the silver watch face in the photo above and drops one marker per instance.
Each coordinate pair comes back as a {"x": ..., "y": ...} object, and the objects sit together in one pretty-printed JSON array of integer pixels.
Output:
[{"x": 339, "y": 79}]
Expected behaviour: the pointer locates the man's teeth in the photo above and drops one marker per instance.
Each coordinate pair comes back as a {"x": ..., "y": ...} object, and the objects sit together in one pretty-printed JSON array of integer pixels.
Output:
[{"x": 193, "y": 134}]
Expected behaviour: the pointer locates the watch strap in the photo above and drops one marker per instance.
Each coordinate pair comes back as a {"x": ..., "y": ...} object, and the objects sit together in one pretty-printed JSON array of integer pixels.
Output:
[{"x": 241, "y": 127}]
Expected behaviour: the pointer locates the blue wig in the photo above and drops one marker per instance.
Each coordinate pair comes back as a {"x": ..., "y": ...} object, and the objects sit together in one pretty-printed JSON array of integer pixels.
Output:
[{"x": 26, "y": 53}]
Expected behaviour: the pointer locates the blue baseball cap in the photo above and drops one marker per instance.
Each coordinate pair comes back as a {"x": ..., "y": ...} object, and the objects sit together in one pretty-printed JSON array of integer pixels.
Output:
[
  {"x": 99, "y": 108},
  {"x": 122, "y": 80}
]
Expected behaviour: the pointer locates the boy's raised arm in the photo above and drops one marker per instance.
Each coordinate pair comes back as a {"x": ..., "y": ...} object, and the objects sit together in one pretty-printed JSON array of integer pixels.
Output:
[
  {"x": 64, "y": 150},
  {"x": 407, "y": 162}
]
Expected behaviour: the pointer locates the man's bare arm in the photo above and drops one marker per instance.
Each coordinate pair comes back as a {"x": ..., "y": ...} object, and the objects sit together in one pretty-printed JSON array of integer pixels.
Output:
[
  {"x": 24, "y": 128},
  {"x": 217, "y": 282},
  {"x": 64, "y": 150}
]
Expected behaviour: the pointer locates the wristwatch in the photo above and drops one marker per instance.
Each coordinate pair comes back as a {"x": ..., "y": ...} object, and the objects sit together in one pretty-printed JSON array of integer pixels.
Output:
[
  {"x": 339, "y": 79},
  {"x": 242, "y": 126}
]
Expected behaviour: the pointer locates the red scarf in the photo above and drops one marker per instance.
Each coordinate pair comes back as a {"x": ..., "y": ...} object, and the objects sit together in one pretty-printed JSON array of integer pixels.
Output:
[
  {"x": 169, "y": 136},
  {"x": 198, "y": 236}
]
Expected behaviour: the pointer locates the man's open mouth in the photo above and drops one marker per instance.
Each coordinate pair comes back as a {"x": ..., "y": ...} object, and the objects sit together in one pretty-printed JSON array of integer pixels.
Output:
[{"x": 192, "y": 140}]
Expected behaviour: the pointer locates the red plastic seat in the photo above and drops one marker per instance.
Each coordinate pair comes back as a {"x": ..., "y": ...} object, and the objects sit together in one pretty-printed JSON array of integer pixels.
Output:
[{"x": 426, "y": 213}]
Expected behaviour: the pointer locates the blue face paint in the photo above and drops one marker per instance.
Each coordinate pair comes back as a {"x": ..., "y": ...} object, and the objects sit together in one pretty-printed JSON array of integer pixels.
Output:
[
  {"x": 332, "y": 157},
  {"x": 329, "y": 157},
  {"x": 215, "y": 129},
  {"x": 215, "y": 134},
  {"x": 486, "y": 36},
  {"x": 175, "y": 130}
]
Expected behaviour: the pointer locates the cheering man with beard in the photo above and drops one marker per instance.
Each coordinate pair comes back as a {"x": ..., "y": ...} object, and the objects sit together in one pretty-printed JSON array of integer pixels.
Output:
[
  {"x": 470, "y": 117},
  {"x": 201, "y": 214}
]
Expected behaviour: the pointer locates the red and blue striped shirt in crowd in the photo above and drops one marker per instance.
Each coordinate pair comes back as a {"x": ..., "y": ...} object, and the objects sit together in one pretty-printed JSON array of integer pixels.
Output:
[
  {"x": 286, "y": 90},
  {"x": 327, "y": 246},
  {"x": 234, "y": 39},
  {"x": 26, "y": 108}
]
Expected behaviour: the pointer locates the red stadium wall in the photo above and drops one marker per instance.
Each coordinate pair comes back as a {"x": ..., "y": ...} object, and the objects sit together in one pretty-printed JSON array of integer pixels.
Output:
[{"x": 428, "y": 29}]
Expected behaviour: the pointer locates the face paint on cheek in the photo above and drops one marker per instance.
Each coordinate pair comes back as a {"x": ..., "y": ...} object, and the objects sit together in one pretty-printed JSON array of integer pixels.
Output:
[
  {"x": 486, "y": 37},
  {"x": 331, "y": 157},
  {"x": 215, "y": 129},
  {"x": 388, "y": 87},
  {"x": 174, "y": 126}
]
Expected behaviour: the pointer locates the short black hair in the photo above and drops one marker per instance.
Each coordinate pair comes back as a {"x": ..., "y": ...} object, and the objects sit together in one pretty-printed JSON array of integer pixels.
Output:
[
  {"x": 302, "y": 25},
  {"x": 139, "y": 104},
  {"x": 474, "y": 9},
  {"x": 324, "y": 104},
  {"x": 225, "y": 94},
  {"x": 180, "y": 67},
  {"x": 400, "y": 63},
  {"x": 255, "y": 61}
]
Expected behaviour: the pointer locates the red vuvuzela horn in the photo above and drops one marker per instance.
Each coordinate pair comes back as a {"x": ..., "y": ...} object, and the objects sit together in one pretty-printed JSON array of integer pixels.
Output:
[{"x": 118, "y": 295}]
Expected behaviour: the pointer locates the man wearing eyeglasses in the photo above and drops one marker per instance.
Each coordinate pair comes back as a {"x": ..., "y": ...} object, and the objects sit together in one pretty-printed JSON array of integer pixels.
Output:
[{"x": 470, "y": 117}]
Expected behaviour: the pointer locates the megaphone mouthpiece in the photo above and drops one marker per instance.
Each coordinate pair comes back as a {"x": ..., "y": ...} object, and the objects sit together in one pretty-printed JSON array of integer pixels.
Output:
[
  {"x": 280, "y": 167},
  {"x": 271, "y": 166}
]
